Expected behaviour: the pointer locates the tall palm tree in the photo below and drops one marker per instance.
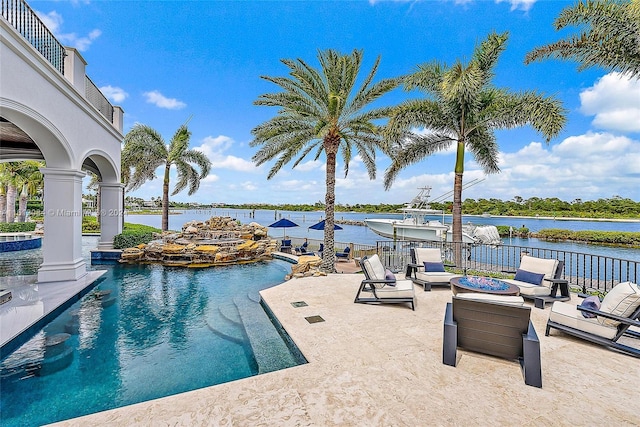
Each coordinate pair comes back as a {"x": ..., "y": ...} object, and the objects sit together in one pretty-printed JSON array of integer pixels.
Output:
[
  {"x": 10, "y": 175},
  {"x": 144, "y": 151},
  {"x": 31, "y": 180},
  {"x": 463, "y": 109},
  {"x": 322, "y": 111},
  {"x": 609, "y": 37}
]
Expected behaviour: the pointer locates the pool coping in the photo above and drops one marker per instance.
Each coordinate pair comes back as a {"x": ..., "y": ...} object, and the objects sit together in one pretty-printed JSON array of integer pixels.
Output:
[{"x": 382, "y": 365}]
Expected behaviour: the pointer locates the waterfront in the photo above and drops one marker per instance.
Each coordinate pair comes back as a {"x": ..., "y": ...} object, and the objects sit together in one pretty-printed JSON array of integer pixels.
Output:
[{"x": 362, "y": 235}]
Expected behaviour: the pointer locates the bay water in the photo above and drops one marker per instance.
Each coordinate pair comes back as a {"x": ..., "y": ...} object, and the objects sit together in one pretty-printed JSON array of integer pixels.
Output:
[{"x": 363, "y": 235}]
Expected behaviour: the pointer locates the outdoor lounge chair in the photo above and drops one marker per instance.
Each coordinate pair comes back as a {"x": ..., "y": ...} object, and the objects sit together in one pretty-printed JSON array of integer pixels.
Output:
[
  {"x": 426, "y": 279},
  {"x": 344, "y": 254},
  {"x": 495, "y": 325},
  {"x": 379, "y": 289},
  {"x": 302, "y": 250},
  {"x": 619, "y": 310},
  {"x": 285, "y": 246},
  {"x": 538, "y": 280}
]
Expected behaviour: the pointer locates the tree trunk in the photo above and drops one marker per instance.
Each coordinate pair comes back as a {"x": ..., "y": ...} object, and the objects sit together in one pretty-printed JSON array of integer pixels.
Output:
[
  {"x": 11, "y": 203},
  {"x": 457, "y": 205},
  {"x": 3, "y": 207},
  {"x": 99, "y": 205},
  {"x": 329, "y": 253},
  {"x": 22, "y": 205},
  {"x": 457, "y": 219},
  {"x": 165, "y": 199}
]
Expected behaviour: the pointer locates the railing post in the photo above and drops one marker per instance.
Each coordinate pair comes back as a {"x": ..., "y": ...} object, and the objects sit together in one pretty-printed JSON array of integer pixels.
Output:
[
  {"x": 118, "y": 114},
  {"x": 74, "y": 69}
]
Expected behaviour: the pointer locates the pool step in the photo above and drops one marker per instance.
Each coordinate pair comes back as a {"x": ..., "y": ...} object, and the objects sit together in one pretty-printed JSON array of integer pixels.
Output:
[
  {"x": 225, "y": 322},
  {"x": 269, "y": 350}
]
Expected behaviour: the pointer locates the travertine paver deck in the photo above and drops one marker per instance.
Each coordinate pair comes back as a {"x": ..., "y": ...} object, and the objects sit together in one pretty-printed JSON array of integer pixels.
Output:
[{"x": 382, "y": 366}]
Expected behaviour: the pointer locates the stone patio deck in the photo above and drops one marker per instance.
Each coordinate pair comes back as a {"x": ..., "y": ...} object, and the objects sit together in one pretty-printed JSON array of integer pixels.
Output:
[{"x": 381, "y": 365}]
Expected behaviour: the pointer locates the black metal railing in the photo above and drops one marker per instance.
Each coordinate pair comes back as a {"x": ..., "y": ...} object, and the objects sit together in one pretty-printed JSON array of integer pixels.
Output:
[
  {"x": 21, "y": 17},
  {"x": 97, "y": 99},
  {"x": 583, "y": 271}
]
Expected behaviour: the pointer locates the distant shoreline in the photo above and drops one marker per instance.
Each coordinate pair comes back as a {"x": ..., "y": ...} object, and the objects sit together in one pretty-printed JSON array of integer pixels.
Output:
[
  {"x": 556, "y": 218},
  {"x": 553, "y": 218}
]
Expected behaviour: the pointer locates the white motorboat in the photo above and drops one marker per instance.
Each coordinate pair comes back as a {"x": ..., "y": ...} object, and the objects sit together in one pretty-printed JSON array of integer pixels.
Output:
[{"x": 416, "y": 225}]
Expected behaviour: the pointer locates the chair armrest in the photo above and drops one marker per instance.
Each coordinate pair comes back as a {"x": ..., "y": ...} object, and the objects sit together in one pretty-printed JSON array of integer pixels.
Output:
[
  {"x": 414, "y": 265},
  {"x": 556, "y": 281},
  {"x": 508, "y": 271},
  {"x": 620, "y": 319},
  {"x": 376, "y": 283}
]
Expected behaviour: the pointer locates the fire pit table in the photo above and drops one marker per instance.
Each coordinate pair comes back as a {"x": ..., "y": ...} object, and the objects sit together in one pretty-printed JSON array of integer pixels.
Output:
[{"x": 486, "y": 285}]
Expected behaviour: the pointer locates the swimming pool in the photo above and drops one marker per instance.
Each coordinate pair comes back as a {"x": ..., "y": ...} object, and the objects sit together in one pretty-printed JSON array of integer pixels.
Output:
[
  {"x": 19, "y": 242},
  {"x": 145, "y": 332}
]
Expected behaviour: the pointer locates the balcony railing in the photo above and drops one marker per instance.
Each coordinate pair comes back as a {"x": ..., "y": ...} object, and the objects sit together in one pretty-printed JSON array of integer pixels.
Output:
[
  {"x": 583, "y": 271},
  {"x": 21, "y": 17},
  {"x": 97, "y": 99}
]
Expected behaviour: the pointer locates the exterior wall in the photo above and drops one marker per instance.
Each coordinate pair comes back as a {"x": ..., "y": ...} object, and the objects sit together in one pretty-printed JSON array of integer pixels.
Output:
[
  {"x": 53, "y": 111},
  {"x": 33, "y": 94}
]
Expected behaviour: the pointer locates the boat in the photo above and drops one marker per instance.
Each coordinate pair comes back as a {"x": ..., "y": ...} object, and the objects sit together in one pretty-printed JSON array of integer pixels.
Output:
[{"x": 416, "y": 225}]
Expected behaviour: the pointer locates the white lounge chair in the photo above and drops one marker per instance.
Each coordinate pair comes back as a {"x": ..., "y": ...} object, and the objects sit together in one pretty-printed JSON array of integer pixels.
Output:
[
  {"x": 619, "y": 311},
  {"x": 377, "y": 288},
  {"x": 416, "y": 269},
  {"x": 539, "y": 278}
]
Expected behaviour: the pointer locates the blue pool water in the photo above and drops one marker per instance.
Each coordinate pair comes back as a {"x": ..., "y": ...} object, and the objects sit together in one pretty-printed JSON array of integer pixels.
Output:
[{"x": 142, "y": 333}]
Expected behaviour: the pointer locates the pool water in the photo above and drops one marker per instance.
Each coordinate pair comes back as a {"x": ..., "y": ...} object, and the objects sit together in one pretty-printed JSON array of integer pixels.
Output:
[{"x": 142, "y": 333}]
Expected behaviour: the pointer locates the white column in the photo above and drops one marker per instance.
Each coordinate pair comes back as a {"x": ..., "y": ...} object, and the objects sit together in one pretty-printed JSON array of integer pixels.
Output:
[
  {"x": 62, "y": 242},
  {"x": 111, "y": 212}
]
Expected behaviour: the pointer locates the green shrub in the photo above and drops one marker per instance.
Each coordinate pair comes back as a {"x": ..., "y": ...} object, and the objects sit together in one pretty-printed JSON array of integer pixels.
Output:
[
  {"x": 90, "y": 224},
  {"x": 133, "y": 235},
  {"x": 17, "y": 227},
  {"x": 629, "y": 238}
]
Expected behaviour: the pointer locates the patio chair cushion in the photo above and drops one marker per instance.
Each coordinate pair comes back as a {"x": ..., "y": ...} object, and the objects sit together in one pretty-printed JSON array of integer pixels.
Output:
[
  {"x": 401, "y": 289},
  {"x": 539, "y": 265},
  {"x": 622, "y": 300},
  {"x": 427, "y": 255},
  {"x": 529, "y": 289},
  {"x": 433, "y": 267},
  {"x": 529, "y": 277},
  {"x": 375, "y": 269},
  {"x": 435, "y": 277},
  {"x": 568, "y": 314},
  {"x": 500, "y": 299}
]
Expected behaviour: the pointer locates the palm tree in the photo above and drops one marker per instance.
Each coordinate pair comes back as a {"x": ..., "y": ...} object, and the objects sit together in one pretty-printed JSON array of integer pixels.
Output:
[
  {"x": 145, "y": 151},
  {"x": 94, "y": 185},
  {"x": 32, "y": 182},
  {"x": 10, "y": 173},
  {"x": 321, "y": 111},
  {"x": 610, "y": 36},
  {"x": 463, "y": 109}
]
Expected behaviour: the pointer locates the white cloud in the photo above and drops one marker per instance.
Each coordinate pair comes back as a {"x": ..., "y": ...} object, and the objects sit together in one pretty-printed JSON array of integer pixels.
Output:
[
  {"x": 311, "y": 165},
  {"x": 209, "y": 179},
  {"x": 581, "y": 166},
  {"x": 53, "y": 21},
  {"x": 214, "y": 148},
  {"x": 614, "y": 100},
  {"x": 114, "y": 93},
  {"x": 161, "y": 101},
  {"x": 524, "y": 5}
]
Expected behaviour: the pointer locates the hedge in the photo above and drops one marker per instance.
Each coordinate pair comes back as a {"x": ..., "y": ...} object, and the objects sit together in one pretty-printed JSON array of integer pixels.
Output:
[
  {"x": 626, "y": 238},
  {"x": 133, "y": 235},
  {"x": 17, "y": 227}
]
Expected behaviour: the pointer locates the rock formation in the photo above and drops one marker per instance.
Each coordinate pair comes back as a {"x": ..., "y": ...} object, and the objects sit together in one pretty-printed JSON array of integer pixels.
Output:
[{"x": 217, "y": 241}]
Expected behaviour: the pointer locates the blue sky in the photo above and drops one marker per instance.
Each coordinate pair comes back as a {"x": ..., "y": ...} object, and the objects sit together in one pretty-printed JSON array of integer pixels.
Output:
[{"x": 166, "y": 61}]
